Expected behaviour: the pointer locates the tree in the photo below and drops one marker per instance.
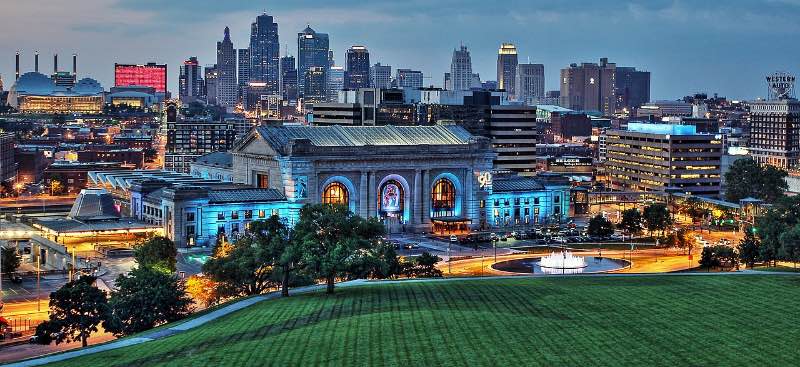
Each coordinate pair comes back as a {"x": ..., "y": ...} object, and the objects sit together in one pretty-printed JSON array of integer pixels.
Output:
[
  {"x": 10, "y": 260},
  {"x": 600, "y": 226},
  {"x": 76, "y": 310},
  {"x": 694, "y": 209},
  {"x": 790, "y": 245},
  {"x": 202, "y": 290},
  {"x": 145, "y": 298},
  {"x": 656, "y": 217},
  {"x": 681, "y": 239},
  {"x": 631, "y": 221},
  {"x": 746, "y": 178},
  {"x": 156, "y": 252},
  {"x": 243, "y": 271},
  {"x": 331, "y": 237},
  {"x": 281, "y": 252},
  {"x": 715, "y": 256},
  {"x": 749, "y": 249},
  {"x": 424, "y": 266}
]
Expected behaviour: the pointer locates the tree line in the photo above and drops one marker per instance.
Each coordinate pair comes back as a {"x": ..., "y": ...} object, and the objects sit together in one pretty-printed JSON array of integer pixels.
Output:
[{"x": 327, "y": 244}]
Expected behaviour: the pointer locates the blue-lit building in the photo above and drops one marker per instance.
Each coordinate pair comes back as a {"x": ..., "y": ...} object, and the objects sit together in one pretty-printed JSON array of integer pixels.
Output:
[{"x": 414, "y": 178}]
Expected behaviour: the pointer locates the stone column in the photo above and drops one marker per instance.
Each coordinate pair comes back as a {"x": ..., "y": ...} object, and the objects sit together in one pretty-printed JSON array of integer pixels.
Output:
[
  {"x": 426, "y": 197},
  {"x": 363, "y": 196},
  {"x": 469, "y": 206},
  {"x": 371, "y": 196},
  {"x": 417, "y": 198}
]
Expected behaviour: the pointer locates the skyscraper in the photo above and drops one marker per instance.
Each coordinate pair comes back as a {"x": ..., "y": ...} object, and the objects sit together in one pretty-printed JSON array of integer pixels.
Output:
[
  {"x": 289, "y": 78},
  {"x": 461, "y": 76},
  {"x": 407, "y": 78},
  {"x": 507, "y": 68},
  {"x": 529, "y": 83},
  {"x": 312, "y": 51},
  {"x": 227, "y": 94},
  {"x": 189, "y": 82},
  {"x": 335, "y": 83},
  {"x": 632, "y": 87},
  {"x": 243, "y": 70},
  {"x": 265, "y": 52},
  {"x": 211, "y": 83},
  {"x": 589, "y": 87},
  {"x": 315, "y": 85},
  {"x": 380, "y": 76},
  {"x": 357, "y": 69}
]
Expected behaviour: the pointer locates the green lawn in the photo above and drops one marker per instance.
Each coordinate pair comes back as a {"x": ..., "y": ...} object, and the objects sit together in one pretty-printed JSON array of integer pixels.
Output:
[{"x": 581, "y": 321}]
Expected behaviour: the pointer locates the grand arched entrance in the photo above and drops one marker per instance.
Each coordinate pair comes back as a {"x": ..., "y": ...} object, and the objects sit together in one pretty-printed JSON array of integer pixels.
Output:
[
  {"x": 445, "y": 213},
  {"x": 392, "y": 205}
]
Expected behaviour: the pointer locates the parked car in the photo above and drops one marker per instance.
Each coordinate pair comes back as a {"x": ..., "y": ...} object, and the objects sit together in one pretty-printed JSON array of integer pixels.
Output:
[
  {"x": 453, "y": 238},
  {"x": 411, "y": 246}
]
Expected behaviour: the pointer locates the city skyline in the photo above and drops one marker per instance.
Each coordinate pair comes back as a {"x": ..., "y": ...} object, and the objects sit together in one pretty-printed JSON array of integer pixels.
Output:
[{"x": 713, "y": 48}]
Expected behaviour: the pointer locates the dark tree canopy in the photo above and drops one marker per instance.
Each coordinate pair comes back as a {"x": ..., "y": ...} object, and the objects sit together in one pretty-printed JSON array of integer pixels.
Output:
[
  {"x": 631, "y": 221},
  {"x": 746, "y": 178},
  {"x": 10, "y": 261},
  {"x": 600, "y": 226},
  {"x": 76, "y": 310},
  {"x": 656, "y": 217},
  {"x": 157, "y": 252},
  {"x": 332, "y": 239},
  {"x": 144, "y": 299}
]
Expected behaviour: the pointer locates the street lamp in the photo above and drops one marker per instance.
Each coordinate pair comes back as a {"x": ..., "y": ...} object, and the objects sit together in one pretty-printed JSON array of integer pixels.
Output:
[{"x": 494, "y": 243}]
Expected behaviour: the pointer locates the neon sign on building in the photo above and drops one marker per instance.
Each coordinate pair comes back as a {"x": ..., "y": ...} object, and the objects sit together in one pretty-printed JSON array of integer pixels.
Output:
[{"x": 148, "y": 75}]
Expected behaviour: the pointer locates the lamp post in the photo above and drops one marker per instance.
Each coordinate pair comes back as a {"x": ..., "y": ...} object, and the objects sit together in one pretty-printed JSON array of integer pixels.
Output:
[
  {"x": 494, "y": 243},
  {"x": 449, "y": 259},
  {"x": 38, "y": 276}
]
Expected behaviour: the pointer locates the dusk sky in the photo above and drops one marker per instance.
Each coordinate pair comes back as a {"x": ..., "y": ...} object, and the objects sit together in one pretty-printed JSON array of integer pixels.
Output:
[{"x": 711, "y": 46}]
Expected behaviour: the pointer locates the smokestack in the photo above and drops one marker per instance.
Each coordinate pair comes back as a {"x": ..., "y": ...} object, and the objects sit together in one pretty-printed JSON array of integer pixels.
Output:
[
  {"x": 75, "y": 65},
  {"x": 17, "y": 69},
  {"x": 36, "y": 62},
  {"x": 55, "y": 63}
]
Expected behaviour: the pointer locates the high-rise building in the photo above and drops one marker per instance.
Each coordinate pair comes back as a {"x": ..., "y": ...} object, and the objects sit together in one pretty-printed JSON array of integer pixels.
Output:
[
  {"x": 316, "y": 85},
  {"x": 312, "y": 51},
  {"x": 189, "y": 139},
  {"x": 507, "y": 68},
  {"x": 356, "y": 73},
  {"x": 8, "y": 165},
  {"x": 335, "y": 83},
  {"x": 461, "y": 76},
  {"x": 654, "y": 157},
  {"x": 529, "y": 84},
  {"x": 380, "y": 76},
  {"x": 243, "y": 71},
  {"x": 775, "y": 133},
  {"x": 265, "y": 53},
  {"x": 513, "y": 133},
  {"x": 147, "y": 75},
  {"x": 189, "y": 82},
  {"x": 289, "y": 78},
  {"x": 407, "y": 78},
  {"x": 589, "y": 87},
  {"x": 227, "y": 89},
  {"x": 632, "y": 87},
  {"x": 211, "y": 84}
]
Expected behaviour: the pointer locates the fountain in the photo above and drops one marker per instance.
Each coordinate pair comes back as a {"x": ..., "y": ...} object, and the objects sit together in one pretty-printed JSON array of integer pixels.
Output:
[{"x": 562, "y": 263}]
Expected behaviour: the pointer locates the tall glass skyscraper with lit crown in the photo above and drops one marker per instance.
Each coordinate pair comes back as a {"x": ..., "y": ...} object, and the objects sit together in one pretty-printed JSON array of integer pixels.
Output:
[
  {"x": 507, "y": 68},
  {"x": 312, "y": 51},
  {"x": 357, "y": 68},
  {"x": 265, "y": 53}
]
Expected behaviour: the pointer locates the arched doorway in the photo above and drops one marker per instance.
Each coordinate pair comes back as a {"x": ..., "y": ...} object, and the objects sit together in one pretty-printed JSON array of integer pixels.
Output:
[
  {"x": 392, "y": 205},
  {"x": 443, "y": 199},
  {"x": 336, "y": 193}
]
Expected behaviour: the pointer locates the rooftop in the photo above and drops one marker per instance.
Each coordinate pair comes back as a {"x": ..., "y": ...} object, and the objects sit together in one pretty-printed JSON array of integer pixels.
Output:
[
  {"x": 216, "y": 159},
  {"x": 339, "y": 136},
  {"x": 244, "y": 195},
  {"x": 662, "y": 128}
]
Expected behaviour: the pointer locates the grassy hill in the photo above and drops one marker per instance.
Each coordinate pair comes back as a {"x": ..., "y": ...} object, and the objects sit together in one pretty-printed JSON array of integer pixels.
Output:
[{"x": 580, "y": 321}]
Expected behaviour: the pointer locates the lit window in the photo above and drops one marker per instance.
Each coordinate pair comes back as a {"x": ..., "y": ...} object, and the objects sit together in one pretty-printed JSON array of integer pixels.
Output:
[{"x": 335, "y": 193}]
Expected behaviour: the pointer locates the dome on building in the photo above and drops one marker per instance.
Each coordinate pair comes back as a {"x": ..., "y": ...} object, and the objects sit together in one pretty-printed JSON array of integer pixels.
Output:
[
  {"x": 33, "y": 83},
  {"x": 87, "y": 86},
  {"x": 94, "y": 204}
]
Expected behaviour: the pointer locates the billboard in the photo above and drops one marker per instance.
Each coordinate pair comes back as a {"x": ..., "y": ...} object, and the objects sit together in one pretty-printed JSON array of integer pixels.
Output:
[{"x": 148, "y": 75}]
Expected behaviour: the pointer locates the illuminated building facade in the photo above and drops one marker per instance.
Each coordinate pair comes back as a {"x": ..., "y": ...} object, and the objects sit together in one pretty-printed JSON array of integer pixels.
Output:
[
  {"x": 289, "y": 89},
  {"x": 147, "y": 75},
  {"x": 36, "y": 93},
  {"x": 312, "y": 51},
  {"x": 189, "y": 139},
  {"x": 265, "y": 53},
  {"x": 775, "y": 133},
  {"x": 414, "y": 178},
  {"x": 507, "y": 68},
  {"x": 190, "y": 81},
  {"x": 654, "y": 157}
]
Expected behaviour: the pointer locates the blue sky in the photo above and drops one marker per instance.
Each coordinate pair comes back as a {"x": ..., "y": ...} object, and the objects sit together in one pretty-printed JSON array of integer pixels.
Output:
[{"x": 711, "y": 46}]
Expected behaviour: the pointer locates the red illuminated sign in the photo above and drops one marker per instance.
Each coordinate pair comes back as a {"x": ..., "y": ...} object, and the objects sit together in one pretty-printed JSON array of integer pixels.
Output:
[{"x": 149, "y": 75}]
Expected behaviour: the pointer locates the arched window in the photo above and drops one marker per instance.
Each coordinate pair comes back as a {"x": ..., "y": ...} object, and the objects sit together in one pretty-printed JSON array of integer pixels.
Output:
[
  {"x": 443, "y": 198},
  {"x": 392, "y": 197},
  {"x": 335, "y": 193}
]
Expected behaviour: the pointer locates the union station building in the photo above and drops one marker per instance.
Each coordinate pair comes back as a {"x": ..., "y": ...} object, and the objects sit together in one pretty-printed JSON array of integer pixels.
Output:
[{"x": 414, "y": 178}]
